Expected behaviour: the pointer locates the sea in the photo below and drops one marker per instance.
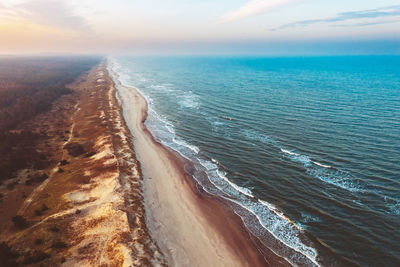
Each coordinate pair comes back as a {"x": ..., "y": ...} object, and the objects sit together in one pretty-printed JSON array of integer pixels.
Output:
[{"x": 306, "y": 149}]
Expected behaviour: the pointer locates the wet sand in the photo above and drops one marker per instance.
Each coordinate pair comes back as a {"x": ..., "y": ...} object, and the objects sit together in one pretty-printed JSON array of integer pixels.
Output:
[{"x": 191, "y": 227}]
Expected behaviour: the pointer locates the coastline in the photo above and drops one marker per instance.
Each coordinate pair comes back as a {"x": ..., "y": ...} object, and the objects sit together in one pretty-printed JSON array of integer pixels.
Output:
[{"x": 192, "y": 227}]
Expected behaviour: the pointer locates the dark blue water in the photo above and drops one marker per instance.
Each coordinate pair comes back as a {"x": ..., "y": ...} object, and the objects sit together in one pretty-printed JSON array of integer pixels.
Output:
[{"x": 306, "y": 149}]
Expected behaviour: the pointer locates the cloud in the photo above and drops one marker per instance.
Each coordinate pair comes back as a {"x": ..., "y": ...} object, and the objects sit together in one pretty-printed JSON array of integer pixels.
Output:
[
  {"x": 254, "y": 7},
  {"x": 382, "y": 12},
  {"x": 53, "y": 13}
]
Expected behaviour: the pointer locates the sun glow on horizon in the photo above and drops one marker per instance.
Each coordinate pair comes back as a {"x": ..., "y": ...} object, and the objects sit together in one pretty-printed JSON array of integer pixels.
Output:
[{"x": 88, "y": 26}]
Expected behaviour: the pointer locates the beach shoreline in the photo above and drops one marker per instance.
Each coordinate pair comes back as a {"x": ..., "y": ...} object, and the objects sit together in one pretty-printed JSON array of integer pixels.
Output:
[{"x": 191, "y": 226}]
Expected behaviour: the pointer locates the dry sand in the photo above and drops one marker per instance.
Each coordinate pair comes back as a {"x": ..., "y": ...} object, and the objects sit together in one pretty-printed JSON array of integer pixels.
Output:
[{"x": 191, "y": 227}]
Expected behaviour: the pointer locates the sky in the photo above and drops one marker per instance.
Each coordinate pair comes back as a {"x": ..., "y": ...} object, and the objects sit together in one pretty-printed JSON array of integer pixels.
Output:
[{"x": 270, "y": 27}]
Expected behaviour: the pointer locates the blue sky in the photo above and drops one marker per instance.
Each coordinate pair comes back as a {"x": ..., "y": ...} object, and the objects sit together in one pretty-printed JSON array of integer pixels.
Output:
[{"x": 272, "y": 27}]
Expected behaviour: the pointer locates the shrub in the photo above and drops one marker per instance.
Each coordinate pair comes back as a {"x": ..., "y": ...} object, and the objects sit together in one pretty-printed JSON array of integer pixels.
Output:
[
  {"x": 7, "y": 255},
  {"x": 19, "y": 222},
  {"x": 75, "y": 149},
  {"x": 91, "y": 153},
  {"x": 44, "y": 207},
  {"x": 54, "y": 229},
  {"x": 36, "y": 257},
  {"x": 38, "y": 212},
  {"x": 64, "y": 162},
  {"x": 12, "y": 185},
  {"x": 38, "y": 178},
  {"x": 59, "y": 244}
]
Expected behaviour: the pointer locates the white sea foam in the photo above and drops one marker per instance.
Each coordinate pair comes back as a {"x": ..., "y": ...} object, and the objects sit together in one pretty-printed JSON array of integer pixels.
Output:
[
  {"x": 158, "y": 86},
  {"x": 269, "y": 217},
  {"x": 188, "y": 100},
  {"x": 272, "y": 219},
  {"x": 241, "y": 189},
  {"x": 282, "y": 229},
  {"x": 217, "y": 123},
  {"x": 214, "y": 160},
  {"x": 321, "y": 165},
  {"x": 305, "y": 160},
  {"x": 394, "y": 208},
  {"x": 288, "y": 234},
  {"x": 170, "y": 128},
  {"x": 162, "y": 88},
  {"x": 181, "y": 142},
  {"x": 289, "y": 152},
  {"x": 321, "y": 171},
  {"x": 162, "y": 120},
  {"x": 306, "y": 218},
  {"x": 255, "y": 136},
  {"x": 325, "y": 173},
  {"x": 218, "y": 126},
  {"x": 276, "y": 211},
  {"x": 315, "y": 168},
  {"x": 207, "y": 164}
]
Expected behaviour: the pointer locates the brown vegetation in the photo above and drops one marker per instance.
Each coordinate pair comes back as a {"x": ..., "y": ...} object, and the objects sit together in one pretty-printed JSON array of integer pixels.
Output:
[{"x": 28, "y": 87}]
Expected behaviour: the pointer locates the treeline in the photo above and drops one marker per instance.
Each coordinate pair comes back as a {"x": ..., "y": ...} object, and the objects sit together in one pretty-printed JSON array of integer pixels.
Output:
[
  {"x": 39, "y": 83},
  {"x": 18, "y": 151},
  {"x": 28, "y": 87},
  {"x": 27, "y": 105}
]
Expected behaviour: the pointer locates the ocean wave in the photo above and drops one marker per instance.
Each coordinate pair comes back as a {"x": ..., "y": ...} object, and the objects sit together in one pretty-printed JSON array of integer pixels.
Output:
[
  {"x": 338, "y": 178},
  {"x": 183, "y": 143},
  {"x": 323, "y": 172},
  {"x": 269, "y": 216},
  {"x": 213, "y": 166},
  {"x": 303, "y": 159},
  {"x": 284, "y": 231},
  {"x": 289, "y": 234},
  {"x": 217, "y": 125},
  {"x": 161, "y": 120},
  {"x": 255, "y": 136},
  {"x": 289, "y": 152},
  {"x": 392, "y": 204},
  {"x": 307, "y": 218},
  {"x": 394, "y": 208},
  {"x": 170, "y": 128},
  {"x": 188, "y": 101},
  {"x": 322, "y": 165},
  {"x": 326, "y": 173},
  {"x": 241, "y": 189},
  {"x": 208, "y": 164},
  {"x": 274, "y": 209}
]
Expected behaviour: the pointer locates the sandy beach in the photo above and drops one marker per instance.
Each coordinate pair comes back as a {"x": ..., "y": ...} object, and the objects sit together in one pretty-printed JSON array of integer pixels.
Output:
[{"x": 191, "y": 227}]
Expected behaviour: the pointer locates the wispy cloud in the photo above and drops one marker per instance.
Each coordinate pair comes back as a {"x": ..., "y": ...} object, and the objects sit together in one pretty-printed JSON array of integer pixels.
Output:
[
  {"x": 382, "y": 12},
  {"x": 53, "y": 13},
  {"x": 254, "y": 7}
]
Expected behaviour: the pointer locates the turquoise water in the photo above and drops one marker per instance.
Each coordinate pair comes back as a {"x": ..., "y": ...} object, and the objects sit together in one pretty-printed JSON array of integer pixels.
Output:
[{"x": 307, "y": 150}]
